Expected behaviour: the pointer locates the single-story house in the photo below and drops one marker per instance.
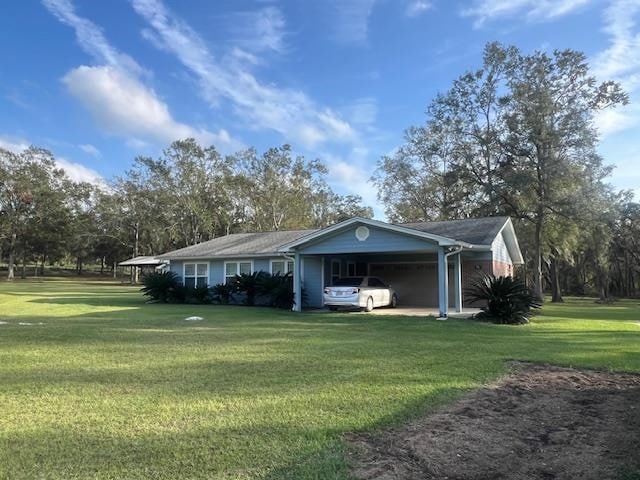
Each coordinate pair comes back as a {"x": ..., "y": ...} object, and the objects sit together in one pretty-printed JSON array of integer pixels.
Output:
[{"x": 427, "y": 263}]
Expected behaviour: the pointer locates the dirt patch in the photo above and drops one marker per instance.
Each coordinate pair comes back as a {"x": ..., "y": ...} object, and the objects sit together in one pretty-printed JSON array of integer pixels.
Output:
[{"x": 538, "y": 422}]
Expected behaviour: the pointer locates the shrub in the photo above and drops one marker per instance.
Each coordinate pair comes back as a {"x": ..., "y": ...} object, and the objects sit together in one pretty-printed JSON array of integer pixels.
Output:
[
  {"x": 179, "y": 294},
  {"x": 223, "y": 293},
  {"x": 278, "y": 289},
  {"x": 508, "y": 300},
  {"x": 247, "y": 283},
  {"x": 160, "y": 286},
  {"x": 200, "y": 294}
]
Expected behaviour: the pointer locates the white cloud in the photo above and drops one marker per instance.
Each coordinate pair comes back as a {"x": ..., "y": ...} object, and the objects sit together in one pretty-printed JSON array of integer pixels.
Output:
[
  {"x": 487, "y": 10},
  {"x": 78, "y": 172},
  {"x": 261, "y": 106},
  {"x": 259, "y": 31},
  {"x": 115, "y": 95},
  {"x": 351, "y": 22},
  {"x": 363, "y": 111},
  {"x": 15, "y": 145},
  {"x": 351, "y": 175},
  {"x": 90, "y": 149},
  {"x": 75, "y": 171},
  {"x": 620, "y": 61},
  {"x": 90, "y": 36},
  {"x": 415, "y": 8},
  {"x": 125, "y": 107},
  {"x": 622, "y": 57}
]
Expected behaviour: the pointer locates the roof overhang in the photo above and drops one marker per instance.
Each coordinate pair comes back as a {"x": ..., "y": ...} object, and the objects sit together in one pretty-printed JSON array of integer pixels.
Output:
[
  {"x": 168, "y": 256},
  {"x": 439, "y": 240},
  {"x": 143, "y": 262}
]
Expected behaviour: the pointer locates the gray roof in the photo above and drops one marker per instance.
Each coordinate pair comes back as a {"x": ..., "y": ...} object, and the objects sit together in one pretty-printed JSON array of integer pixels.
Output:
[
  {"x": 478, "y": 231},
  {"x": 239, "y": 244},
  {"x": 143, "y": 261}
]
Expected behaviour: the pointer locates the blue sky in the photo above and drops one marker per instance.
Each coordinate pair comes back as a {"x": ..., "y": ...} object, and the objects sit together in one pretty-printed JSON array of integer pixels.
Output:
[{"x": 101, "y": 82}]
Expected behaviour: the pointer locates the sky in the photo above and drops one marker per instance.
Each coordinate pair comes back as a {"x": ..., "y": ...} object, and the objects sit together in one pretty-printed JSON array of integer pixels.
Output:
[{"x": 99, "y": 83}]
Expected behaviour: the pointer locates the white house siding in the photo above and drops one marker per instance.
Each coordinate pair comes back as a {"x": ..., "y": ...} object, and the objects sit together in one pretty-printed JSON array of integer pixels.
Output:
[{"x": 502, "y": 262}]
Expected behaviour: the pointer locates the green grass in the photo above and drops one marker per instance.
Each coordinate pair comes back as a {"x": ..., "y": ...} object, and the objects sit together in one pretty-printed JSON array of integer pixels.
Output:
[{"x": 110, "y": 387}]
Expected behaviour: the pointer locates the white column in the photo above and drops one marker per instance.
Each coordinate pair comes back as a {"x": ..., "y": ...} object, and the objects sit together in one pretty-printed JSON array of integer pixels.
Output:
[
  {"x": 297, "y": 283},
  {"x": 457, "y": 281},
  {"x": 443, "y": 284}
]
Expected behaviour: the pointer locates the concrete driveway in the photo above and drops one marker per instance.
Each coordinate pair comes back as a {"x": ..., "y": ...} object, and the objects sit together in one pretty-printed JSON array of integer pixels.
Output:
[{"x": 409, "y": 311}]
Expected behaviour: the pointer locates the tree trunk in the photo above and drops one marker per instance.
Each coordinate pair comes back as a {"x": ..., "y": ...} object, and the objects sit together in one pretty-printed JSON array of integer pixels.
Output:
[
  {"x": 101, "y": 266},
  {"x": 556, "y": 293},
  {"x": 537, "y": 268},
  {"x": 44, "y": 258},
  {"x": 23, "y": 273},
  {"x": 12, "y": 257},
  {"x": 115, "y": 270},
  {"x": 134, "y": 270}
]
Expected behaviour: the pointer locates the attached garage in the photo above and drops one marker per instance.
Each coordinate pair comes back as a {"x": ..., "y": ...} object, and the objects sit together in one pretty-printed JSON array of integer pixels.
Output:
[{"x": 416, "y": 283}]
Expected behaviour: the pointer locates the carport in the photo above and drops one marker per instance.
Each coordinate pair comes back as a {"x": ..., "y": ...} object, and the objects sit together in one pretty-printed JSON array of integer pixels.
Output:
[{"x": 425, "y": 269}]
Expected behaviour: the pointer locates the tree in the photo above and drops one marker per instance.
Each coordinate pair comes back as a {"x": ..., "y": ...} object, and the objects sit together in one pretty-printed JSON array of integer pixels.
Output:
[
  {"x": 517, "y": 137},
  {"x": 32, "y": 203}
]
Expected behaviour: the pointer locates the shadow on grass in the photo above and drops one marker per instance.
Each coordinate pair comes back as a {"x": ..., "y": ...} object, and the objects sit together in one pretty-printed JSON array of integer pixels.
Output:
[{"x": 184, "y": 449}]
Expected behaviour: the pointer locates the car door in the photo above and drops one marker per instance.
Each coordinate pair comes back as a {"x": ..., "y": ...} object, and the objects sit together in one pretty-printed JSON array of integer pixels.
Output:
[{"x": 377, "y": 290}]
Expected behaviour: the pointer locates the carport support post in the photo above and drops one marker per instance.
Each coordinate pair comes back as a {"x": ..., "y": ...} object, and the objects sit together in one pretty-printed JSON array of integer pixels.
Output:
[
  {"x": 297, "y": 283},
  {"x": 443, "y": 284},
  {"x": 457, "y": 281}
]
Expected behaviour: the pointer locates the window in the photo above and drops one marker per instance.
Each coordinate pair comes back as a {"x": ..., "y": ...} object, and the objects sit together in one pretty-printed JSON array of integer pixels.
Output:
[
  {"x": 351, "y": 269},
  {"x": 335, "y": 271},
  {"x": 356, "y": 269},
  {"x": 281, "y": 266},
  {"x": 196, "y": 274},
  {"x": 231, "y": 269},
  {"x": 375, "y": 282}
]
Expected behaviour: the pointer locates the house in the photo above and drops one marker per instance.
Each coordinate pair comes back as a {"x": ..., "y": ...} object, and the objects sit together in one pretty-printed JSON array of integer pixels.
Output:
[{"x": 427, "y": 263}]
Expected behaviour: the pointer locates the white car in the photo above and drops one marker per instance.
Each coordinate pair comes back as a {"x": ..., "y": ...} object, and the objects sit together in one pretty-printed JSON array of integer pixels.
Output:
[{"x": 366, "y": 293}]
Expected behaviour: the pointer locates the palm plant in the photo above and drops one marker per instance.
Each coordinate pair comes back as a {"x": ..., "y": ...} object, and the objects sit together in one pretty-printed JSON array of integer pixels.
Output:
[
  {"x": 223, "y": 292},
  {"x": 200, "y": 294},
  {"x": 160, "y": 286},
  {"x": 508, "y": 299},
  {"x": 278, "y": 288},
  {"x": 247, "y": 283}
]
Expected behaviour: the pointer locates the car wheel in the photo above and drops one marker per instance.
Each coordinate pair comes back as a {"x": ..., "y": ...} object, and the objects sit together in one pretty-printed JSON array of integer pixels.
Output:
[
  {"x": 394, "y": 301},
  {"x": 333, "y": 309},
  {"x": 369, "y": 306}
]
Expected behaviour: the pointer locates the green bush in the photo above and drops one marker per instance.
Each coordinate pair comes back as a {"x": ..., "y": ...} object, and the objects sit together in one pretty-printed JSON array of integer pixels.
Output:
[
  {"x": 200, "y": 294},
  {"x": 223, "y": 293},
  {"x": 278, "y": 289},
  {"x": 180, "y": 294},
  {"x": 247, "y": 283},
  {"x": 160, "y": 286},
  {"x": 508, "y": 300}
]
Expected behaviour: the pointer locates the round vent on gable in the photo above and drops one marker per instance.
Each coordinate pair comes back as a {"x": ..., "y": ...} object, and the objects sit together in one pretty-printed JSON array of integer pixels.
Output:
[{"x": 362, "y": 233}]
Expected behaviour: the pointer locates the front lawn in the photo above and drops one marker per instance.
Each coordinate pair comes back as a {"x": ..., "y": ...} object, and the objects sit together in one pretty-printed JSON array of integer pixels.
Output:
[{"x": 100, "y": 385}]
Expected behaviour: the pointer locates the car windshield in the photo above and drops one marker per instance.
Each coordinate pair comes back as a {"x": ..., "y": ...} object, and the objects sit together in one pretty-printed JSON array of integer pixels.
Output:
[{"x": 348, "y": 282}]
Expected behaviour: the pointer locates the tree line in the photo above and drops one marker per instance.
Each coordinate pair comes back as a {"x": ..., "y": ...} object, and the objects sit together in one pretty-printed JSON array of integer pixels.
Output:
[
  {"x": 188, "y": 195},
  {"x": 515, "y": 137},
  {"x": 518, "y": 137}
]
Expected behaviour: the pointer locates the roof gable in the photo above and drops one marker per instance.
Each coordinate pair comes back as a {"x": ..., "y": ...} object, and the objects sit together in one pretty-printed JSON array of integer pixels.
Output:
[{"x": 341, "y": 226}]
